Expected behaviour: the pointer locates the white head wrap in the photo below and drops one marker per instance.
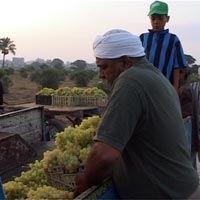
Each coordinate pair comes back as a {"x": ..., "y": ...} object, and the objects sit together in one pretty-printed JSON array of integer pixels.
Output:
[{"x": 116, "y": 43}]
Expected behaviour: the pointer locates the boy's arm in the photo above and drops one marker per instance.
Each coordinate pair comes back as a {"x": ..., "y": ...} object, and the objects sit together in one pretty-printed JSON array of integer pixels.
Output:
[{"x": 176, "y": 78}]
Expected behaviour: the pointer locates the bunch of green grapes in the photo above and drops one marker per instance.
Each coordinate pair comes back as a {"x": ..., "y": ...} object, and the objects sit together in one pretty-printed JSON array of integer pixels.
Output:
[
  {"x": 50, "y": 159},
  {"x": 34, "y": 177},
  {"x": 92, "y": 131},
  {"x": 88, "y": 92},
  {"x": 64, "y": 91},
  {"x": 69, "y": 162},
  {"x": 77, "y": 91},
  {"x": 46, "y": 91},
  {"x": 84, "y": 153},
  {"x": 72, "y": 148},
  {"x": 82, "y": 137},
  {"x": 49, "y": 192},
  {"x": 98, "y": 92},
  {"x": 94, "y": 91},
  {"x": 90, "y": 122},
  {"x": 15, "y": 190},
  {"x": 66, "y": 136}
]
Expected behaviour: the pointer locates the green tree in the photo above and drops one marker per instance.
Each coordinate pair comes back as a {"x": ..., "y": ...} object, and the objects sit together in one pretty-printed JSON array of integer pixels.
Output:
[
  {"x": 6, "y": 46},
  {"x": 190, "y": 59},
  {"x": 57, "y": 63},
  {"x": 82, "y": 77},
  {"x": 9, "y": 71},
  {"x": 193, "y": 77},
  {"x": 6, "y": 80},
  {"x": 47, "y": 77},
  {"x": 2, "y": 73},
  {"x": 80, "y": 64},
  {"x": 23, "y": 72},
  {"x": 7, "y": 83}
]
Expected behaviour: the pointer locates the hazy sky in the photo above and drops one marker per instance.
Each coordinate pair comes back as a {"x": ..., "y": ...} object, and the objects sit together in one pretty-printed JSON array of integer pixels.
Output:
[{"x": 66, "y": 29}]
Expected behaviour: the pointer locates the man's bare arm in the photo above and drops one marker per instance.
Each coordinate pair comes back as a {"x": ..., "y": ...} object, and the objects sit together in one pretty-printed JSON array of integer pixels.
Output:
[
  {"x": 99, "y": 166},
  {"x": 176, "y": 78}
]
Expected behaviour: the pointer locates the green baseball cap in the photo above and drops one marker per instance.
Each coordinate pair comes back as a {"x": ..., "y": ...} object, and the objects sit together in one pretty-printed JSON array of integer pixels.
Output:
[{"x": 158, "y": 7}]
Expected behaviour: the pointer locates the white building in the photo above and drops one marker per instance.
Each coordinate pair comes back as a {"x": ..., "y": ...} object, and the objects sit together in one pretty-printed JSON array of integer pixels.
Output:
[{"x": 18, "y": 62}]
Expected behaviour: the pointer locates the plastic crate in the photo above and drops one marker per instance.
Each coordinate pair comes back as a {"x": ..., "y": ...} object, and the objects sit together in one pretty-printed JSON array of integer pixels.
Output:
[
  {"x": 43, "y": 99},
  {"x": 65, "y": 101},
  {"x": 61, "y": 180},
  {"x": 93, "y": 101},
  {"x": 78, "y": 101}
]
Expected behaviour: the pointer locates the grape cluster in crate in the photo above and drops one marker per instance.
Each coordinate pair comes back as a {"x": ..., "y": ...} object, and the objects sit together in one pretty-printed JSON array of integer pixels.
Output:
[
  {"x": 53, "y": 176},
  {"x": 75, "y": 96}
]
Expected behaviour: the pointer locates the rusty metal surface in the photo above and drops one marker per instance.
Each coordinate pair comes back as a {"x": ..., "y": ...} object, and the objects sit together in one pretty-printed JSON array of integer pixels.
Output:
[
  {"x": 5, "y": 134},
  {"x": 14, "y": 152},
  {"x": 39, "y": 147}
]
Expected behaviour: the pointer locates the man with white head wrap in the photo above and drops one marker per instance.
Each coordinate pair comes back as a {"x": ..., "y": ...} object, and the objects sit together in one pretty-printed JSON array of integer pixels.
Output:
[
  {"x": 140, "y": 141},
  {"x": 117, "y": 43}
]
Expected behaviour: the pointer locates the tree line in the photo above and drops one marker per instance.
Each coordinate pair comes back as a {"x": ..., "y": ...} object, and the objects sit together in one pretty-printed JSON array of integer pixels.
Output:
[{"x": 51, "y": 74}]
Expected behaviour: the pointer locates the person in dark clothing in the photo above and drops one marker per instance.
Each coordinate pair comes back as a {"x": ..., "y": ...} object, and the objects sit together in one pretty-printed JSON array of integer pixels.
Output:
[
  {"x": 140, "y": 140},
  {"x": 196, "y": 88},
  {"x": 188, "y": 101}
]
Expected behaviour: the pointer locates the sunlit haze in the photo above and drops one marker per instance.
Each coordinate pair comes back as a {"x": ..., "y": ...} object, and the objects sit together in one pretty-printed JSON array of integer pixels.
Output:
[{"x": 65, "y": 29}]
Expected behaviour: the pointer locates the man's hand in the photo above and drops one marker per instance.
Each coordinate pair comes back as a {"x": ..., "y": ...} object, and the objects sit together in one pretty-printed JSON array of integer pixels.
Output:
[
  {"x": 99, "y": 166},
  {"x": 81, "y": 184}
]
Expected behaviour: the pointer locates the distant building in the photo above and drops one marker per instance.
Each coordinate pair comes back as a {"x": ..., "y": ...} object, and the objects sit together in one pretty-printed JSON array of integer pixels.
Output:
[{"x": 18, "y": 62}]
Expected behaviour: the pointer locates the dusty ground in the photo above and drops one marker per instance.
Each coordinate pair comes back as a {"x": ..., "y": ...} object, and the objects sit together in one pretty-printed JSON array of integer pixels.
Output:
[{"x": 23, "y": 90}]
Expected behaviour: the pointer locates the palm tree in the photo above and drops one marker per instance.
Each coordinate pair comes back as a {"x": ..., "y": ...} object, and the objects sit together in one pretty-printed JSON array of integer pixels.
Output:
[{"x": 6, "y": 46}]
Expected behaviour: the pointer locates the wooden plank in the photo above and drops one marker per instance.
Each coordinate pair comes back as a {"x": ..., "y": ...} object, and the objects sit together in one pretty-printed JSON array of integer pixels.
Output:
[{"x": 56, "y": 110}]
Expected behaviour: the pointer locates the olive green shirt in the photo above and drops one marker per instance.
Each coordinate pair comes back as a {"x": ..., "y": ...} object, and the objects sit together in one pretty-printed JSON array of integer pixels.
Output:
[{"x": 143, "y": 120}]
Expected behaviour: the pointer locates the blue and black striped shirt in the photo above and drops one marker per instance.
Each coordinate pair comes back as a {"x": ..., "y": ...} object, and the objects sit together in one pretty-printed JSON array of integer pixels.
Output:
[{"x": 164, "y": 50}]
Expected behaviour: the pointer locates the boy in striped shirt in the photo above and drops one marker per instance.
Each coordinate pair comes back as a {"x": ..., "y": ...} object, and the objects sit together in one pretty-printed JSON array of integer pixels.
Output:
[{"x": 163, "y": 48}]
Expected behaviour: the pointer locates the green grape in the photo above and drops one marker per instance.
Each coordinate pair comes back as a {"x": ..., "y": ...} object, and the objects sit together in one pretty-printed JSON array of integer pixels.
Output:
[
  {"x": 49, "y": 192},
  {"x": 84, "y": 153},
  {"x": 64, "y": 91},
  {"x": 46, "y": 91},
  {"x": 73, "y": 147},
  {"x": 77, "y": 91},
  {"x": 50, "y": 159},
  {"x": 15, "y": 190},
  {"x": 90, "y": 122},
  {"x": 34, "y": 177}
]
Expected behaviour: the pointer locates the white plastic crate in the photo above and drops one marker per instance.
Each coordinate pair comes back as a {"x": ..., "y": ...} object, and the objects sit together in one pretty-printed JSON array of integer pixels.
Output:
[
  {"x": 65, "y": 101},
  {"x": 78, "y": 101}
]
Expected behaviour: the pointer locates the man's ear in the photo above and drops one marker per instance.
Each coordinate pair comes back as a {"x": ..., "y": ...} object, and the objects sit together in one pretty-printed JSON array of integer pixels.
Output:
[{"x": 127, "y": 61}]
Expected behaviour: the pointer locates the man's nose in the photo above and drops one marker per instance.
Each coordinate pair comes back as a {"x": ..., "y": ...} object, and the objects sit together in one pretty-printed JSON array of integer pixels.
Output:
[{"x": 101, "y": 74}]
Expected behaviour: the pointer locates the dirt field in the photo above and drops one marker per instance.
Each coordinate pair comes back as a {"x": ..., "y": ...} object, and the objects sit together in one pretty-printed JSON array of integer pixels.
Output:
[{"x": 24, "y": 90}]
